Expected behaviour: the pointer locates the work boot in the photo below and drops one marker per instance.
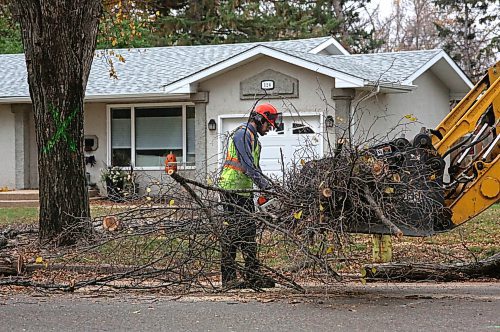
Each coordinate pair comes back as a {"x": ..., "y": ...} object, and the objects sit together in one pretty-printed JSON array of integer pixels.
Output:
[{"x": 234, "y": 284}]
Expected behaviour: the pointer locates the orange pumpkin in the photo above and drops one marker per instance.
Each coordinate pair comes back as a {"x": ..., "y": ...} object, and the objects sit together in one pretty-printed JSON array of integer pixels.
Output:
[{"x": 170, "y": 164}]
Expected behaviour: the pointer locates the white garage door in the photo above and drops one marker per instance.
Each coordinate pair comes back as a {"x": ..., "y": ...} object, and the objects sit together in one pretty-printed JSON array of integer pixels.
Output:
[{"x": 299, "y": 139}]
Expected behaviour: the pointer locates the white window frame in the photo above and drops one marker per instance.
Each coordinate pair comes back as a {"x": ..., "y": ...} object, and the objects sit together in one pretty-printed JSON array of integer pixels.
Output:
[{"x": 132, "y": 107}]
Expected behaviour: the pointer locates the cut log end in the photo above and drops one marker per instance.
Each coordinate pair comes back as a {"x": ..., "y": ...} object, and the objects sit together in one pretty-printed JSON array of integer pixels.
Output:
[
  {"x": 327, "y": 192},
  {"x": 111, "y": 223}
]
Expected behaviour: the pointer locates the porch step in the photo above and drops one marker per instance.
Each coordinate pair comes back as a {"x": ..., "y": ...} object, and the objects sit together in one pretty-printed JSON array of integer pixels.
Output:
[
  {"x": 19, "y": 195},
  {"x": 93, "y": 193},
  {"x": 29, "y": 198}
]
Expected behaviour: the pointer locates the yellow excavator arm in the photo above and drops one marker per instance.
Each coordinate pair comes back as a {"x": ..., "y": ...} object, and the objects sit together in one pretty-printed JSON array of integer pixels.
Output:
[{"x": 472, "y": 126}]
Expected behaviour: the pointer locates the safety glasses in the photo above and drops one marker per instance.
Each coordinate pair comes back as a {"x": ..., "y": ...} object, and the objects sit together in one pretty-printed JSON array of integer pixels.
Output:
[{"x": 276, "y": 119}]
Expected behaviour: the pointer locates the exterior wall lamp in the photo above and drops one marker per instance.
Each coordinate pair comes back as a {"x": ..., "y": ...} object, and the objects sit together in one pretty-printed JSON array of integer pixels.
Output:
[
  {"x": 212, "y": 125},
  {"x": 329, "y": 121}
]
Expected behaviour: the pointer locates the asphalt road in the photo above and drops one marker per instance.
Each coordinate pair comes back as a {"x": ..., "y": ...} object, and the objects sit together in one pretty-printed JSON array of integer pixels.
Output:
[{"x": 347, "y": 307}]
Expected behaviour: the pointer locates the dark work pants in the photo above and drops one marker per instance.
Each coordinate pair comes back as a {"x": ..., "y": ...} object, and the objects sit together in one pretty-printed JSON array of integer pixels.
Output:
[{"x": 239, "y": 232}]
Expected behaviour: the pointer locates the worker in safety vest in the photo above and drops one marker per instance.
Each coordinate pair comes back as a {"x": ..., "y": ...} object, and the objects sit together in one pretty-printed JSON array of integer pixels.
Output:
[{"x": 241, "y": 171}]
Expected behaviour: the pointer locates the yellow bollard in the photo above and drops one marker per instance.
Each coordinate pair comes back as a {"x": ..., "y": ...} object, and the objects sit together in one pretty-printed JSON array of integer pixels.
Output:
[{"x": 382, "y": 248}]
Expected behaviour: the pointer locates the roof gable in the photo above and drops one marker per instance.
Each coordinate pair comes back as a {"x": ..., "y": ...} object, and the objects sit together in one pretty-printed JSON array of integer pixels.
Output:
[
  {"x": 330, "y": 47},
  {"x": 296, "y": 58},
  {"x": 405, "y": 67}
]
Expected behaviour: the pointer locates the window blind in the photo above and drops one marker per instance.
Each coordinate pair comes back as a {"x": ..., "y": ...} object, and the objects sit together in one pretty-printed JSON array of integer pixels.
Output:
[
  {"x": 158, "y": 132},
  {"x": 120, "y": 133}
]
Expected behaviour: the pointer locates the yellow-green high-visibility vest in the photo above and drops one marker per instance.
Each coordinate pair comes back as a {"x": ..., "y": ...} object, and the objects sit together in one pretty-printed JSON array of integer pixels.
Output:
[{"x": 233, "y": 176}]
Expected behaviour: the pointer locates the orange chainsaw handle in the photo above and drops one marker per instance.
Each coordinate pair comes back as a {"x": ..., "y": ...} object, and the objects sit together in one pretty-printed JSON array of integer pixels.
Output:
[{"x": 261, "y": 200}]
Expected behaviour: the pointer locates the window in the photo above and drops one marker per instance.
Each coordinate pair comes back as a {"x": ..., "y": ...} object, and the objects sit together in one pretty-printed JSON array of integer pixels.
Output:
[
  {"x": 143, "y": 135},
  {"x": 300, "y": 128},
  {"x": 121, "y": 145}
]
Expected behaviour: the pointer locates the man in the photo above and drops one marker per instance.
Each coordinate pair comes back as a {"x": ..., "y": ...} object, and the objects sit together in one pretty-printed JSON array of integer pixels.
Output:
[{"x": 241, "y": 171}]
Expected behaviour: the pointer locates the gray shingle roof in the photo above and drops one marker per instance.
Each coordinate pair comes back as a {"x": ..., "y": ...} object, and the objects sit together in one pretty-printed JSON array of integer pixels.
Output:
[
  {"x": 390, "y": 67},
  {"x": 145, "y": 70},
  {"x": 13, "y": 76},
  {"x": 148, "y": 70}
]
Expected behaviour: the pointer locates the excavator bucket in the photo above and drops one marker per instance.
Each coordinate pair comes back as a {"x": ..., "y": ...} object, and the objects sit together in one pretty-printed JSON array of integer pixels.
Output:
[
  {"x": 407, "y": 192},
  {"x": 391, "y": 188}
]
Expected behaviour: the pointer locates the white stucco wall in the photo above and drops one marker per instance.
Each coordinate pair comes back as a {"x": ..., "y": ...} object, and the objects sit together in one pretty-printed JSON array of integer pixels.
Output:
[
  {"x": 429, "y": 103},
  {"x": 314, "y": 94},
  {"x": 95, "y": 124},
  {"x": 33, "y": 153},
  {"x": 7, "y": 147}
]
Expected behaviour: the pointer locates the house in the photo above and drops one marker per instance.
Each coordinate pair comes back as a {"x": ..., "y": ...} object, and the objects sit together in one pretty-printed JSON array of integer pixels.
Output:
[{"x": 184, "y": 98}]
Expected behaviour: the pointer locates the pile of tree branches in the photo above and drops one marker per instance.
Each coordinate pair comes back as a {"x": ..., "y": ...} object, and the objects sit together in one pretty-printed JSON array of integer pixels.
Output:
[{"x": 170, "y": 235}]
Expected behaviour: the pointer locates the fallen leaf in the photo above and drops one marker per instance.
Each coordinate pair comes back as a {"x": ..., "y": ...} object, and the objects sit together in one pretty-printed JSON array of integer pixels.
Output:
[
  {"x": 297, "y": 214},
  {"x": 411, "y": 117}
]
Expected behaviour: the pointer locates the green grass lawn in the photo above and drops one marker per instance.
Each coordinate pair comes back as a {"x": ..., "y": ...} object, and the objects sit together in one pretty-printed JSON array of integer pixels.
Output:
[
  {"x": 478, "y": 238},
  {"x": 18, "y": 216}
]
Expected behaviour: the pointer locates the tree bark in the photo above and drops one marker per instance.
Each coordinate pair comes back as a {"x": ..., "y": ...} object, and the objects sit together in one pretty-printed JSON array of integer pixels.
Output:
[{"x": 59, "y": 39}]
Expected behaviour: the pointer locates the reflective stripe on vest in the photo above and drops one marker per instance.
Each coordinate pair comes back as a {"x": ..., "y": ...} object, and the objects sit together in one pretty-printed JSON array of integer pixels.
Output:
[
  {"x": 232, "y": 161},
  {"x": 236, "y": 165}
]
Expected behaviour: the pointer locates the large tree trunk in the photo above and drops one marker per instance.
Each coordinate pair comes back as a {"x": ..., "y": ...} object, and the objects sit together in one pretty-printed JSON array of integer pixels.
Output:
[
  {"x": 59, "y": 39},
  {"x": 487, "y": 268}
]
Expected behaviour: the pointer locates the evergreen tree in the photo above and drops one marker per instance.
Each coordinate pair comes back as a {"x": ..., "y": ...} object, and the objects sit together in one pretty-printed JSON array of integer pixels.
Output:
[
  {"x": 10, "y": 35},
  {"x": 198, "y": 22}
]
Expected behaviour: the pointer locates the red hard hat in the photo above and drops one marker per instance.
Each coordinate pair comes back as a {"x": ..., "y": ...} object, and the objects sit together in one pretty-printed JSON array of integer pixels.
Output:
[{"x": 269, "y": 112}]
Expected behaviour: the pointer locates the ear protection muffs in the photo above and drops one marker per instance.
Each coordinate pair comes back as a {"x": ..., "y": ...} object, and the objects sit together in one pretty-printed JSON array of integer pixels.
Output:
[{"x": 258, "y": 118}]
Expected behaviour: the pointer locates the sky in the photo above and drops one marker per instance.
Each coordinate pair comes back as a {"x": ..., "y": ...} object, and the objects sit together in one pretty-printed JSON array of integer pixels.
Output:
[{"x": 385, "y": 6}]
